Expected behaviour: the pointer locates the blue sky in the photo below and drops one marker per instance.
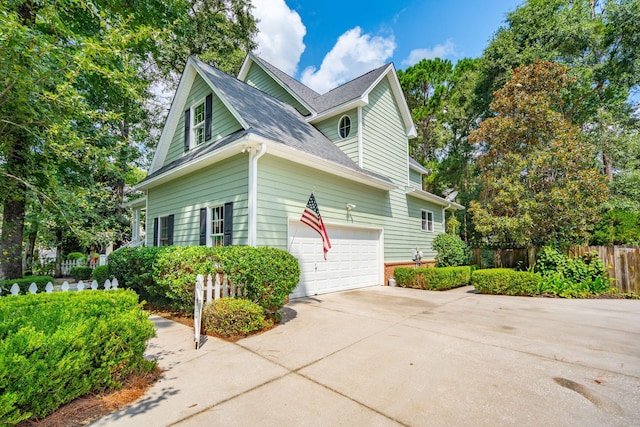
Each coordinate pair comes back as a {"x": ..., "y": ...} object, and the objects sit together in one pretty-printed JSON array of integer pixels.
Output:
[{"x": 325, "y": 43}]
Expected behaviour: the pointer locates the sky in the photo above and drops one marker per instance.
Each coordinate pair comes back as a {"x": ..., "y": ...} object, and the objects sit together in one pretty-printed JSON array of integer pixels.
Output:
[{"x": 328, "y": 42}]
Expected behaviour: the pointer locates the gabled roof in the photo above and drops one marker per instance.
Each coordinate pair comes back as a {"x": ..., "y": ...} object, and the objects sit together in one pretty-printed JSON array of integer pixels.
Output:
[
  {"x": 347, "y": 96},
  {"x": 260, "y": 115}
]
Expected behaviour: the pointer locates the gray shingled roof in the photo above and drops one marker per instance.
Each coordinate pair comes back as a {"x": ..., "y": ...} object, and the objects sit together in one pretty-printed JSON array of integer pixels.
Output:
[
  {"x": 349, "y": 91},
  {"x": 268, "y": 117}
]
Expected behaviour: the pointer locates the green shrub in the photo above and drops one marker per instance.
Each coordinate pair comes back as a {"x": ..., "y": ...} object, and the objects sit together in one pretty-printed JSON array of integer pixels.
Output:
[
  {"x": 566, "y": 277},
  {"x": 505, "y": 281},
  {"x": 75, "y": 256},
  {"x": 100, "y": 274},
  {"x": 81, "y": 272},
  {"x": 452, "y": 251},
  {"x": 24, "y": 283},
  {"x": 617, "y": 227},
  {"x": 231, "y": 317},
  {"x": 268, "y": 275},
  {"x": 59, "y": 346},
  {"x": 434, "y": 279},
  {"x": 134, "y": 269}
]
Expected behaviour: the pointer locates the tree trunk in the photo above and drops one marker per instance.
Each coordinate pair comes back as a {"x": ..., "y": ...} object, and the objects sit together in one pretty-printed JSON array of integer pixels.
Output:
[
  {"x": 58, "y": 253},
  {"x": 608, "y": 166},
  {"x": 29, "y": 249},
  {"x": 12, "y": 232}
]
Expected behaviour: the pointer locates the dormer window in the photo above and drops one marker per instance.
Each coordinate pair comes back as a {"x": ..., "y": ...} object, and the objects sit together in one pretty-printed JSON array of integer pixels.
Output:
[
  {"x": 344, "y": 126},
  {"x": 198, "y": 123}
]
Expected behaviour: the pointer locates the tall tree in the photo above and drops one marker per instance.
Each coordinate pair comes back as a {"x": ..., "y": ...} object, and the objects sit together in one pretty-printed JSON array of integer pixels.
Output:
[{"x": 540, "y": 182}]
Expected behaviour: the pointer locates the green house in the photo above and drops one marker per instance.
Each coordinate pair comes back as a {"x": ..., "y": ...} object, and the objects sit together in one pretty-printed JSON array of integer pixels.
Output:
[{"x": 239, "y": 157}]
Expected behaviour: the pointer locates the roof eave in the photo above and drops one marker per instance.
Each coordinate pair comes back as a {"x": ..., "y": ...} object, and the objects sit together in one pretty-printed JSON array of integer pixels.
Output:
[
  {"x": 350, "y": 105},
  {"x": 420, "y": 194}
]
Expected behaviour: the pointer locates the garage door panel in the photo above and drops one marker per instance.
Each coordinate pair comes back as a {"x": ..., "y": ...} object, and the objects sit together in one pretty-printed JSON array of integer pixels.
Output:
[{"x": 353, "y": 261}]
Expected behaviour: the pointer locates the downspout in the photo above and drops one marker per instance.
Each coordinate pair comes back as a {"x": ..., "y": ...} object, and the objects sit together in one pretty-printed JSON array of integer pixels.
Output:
[
  {"x": 444, "y": 218},
  {"x": 360, "y": 136},
  {"x": 254, "y": 155}
]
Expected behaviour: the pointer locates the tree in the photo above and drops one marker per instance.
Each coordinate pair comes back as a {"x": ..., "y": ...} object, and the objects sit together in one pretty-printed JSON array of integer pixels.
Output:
[
  {"x": 540, "y": 181},
  {"x": 425, "y": 87}
]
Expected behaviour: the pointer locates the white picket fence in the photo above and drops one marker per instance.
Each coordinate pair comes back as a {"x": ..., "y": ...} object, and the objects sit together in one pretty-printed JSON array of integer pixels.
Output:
[
  {"x": 217, "y": 286},
  {"x": 65, "y": 287}
]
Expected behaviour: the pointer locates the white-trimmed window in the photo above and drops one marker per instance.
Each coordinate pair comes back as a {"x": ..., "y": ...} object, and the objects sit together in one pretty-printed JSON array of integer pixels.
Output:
[
  {"x": 217, "y": 226},
  {"x": 197, "y": 122},
  {"x": 164, "y": 231},
  {"x": 344, "y": 126},
  {"x": 427, "y": 220}
]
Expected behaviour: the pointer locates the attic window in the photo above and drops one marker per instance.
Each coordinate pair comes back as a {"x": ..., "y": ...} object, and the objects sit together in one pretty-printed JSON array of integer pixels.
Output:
[
  {"x": 344, "y": 127},
  {"x": 198, "y": 123}
]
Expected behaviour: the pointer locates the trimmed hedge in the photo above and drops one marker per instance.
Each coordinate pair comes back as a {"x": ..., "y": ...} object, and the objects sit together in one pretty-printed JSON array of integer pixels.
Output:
[
  {"x": 57, "y": 347},
  {"x": 505, "y": 281},
  {"x": 81, "y": 272},
  {"x": 433, "y": 279},
  {"x": 166, "y": 276},
  {"x": 24, "y": 283},
  {"x": 100, "y": 274},
  {"x": 134, "y": 269},
  {"x": 233, "y": 317}
]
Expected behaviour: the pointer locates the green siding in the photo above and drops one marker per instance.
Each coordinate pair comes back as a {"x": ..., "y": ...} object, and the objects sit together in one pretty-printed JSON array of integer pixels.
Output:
[
  {"x": 211, "y": 186},
  {"x": 223, "y": 122},
  {"x": 259, "y": 79},
  {"x": 349, "y": 145},
  {"x": 284, "y": 188},
  {"x": 416, "y": 178}
]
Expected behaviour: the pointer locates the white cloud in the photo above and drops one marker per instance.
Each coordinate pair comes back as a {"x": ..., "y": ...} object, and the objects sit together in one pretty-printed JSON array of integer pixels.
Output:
[
  {"x": 438, "y": 51},
  {"x": 280, "y": 34},
  {"x": 353, "y": 55}
]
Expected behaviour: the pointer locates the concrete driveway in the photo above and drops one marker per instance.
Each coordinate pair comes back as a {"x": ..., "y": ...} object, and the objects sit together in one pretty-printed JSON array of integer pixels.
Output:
[{"x": 393, "y": 356}]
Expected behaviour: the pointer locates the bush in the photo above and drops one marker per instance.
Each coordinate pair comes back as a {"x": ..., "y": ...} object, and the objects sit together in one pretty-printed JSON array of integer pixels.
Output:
[
  {"x": 24, "y": 283},
  {"x": 57, "y": 347},
  {"x": 100, "y": 274},
  {"x": 81, "y": 272},
  {"x": 566, "y": 277},
  {"x": 268, "y": 275},
  {"x": 452, "y": 251},
  {"x": 134, "y": 269},
  {"x": 504, "y": 281},
  {"x": 434, "y": 279},
  {"x": 231, "y": 317},
  {"x": 75, "y": 256}
]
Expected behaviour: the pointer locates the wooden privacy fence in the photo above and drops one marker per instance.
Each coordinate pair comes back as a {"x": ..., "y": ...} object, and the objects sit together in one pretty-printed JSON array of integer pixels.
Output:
[
  {"x": 65, "y": 287},
  {"x": 622, "y": 263}
]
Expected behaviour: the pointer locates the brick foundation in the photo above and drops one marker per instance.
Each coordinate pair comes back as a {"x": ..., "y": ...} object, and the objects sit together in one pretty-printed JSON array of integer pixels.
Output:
[{"x": 390, "y": 266}]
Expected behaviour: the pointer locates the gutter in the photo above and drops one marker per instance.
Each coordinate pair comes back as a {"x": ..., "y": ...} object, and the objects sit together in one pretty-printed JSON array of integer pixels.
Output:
[{"x": 254, "y": 155}]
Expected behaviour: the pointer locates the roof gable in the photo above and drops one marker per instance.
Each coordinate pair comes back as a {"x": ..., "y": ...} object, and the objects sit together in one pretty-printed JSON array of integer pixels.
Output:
[{"x": 347, "y": 96}]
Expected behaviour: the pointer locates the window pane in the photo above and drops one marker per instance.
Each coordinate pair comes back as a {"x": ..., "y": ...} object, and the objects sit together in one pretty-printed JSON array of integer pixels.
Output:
[
  {"x": 199, "y": 114},
  {"x": 217, "y": 226}
]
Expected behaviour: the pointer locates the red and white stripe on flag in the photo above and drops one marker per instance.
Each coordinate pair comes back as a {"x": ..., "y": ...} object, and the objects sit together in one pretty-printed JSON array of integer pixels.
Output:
[{"x": 311, "y": 217}]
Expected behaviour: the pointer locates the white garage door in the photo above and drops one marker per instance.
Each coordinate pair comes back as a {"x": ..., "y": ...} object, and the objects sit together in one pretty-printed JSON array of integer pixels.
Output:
[{"x": 354, "y": 260}]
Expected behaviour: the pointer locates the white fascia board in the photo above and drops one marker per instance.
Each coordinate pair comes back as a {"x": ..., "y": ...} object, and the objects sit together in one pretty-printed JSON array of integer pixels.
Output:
[
  {"x": 418, "y": 168},
  {"x": 138, "y": 203},
  {"x": 173, "y": 117},
  {"x": 278, "y": 149},
  {"x": 405, "y": 112},
  {"x": 244, "y": 71},
  {"x": 215, "y": 156},
  {"x": 420, "y": 194},
  {"x": 350, "y": 105}
]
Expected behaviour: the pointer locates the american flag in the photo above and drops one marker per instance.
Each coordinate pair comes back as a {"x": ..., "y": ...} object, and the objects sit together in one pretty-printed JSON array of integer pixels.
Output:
[{"x": 311, "y": 217}]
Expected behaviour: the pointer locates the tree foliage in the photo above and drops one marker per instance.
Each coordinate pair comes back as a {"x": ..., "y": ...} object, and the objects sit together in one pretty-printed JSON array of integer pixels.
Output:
[{"x": 540, "y": 181}]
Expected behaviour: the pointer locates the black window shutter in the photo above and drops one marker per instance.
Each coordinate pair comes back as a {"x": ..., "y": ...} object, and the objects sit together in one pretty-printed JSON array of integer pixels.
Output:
[
  {"x": 155, "y": 232},
  {"x": 228, "y": 224},
  {"x": 187, "y": 128},
  {"x": 208, "y": 105},
  {"x": 170, "y": 227},
  {"x": 203, "y": 226}
]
